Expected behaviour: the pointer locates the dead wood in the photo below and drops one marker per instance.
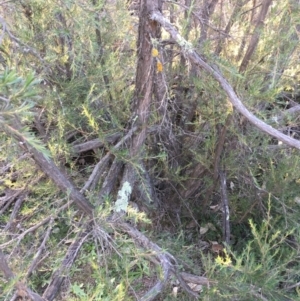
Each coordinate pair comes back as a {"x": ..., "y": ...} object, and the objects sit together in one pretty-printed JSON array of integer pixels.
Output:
[
  {"x": 110, "y": 180},
  {"x": 95, "y": 143},
  {"x": 167, "y": 261},
  {"x": 42, "y": 247},
  {"x": 206, "y": 12},
  {"x": 61, "y": 273},
  {"x": 22, "y": 291},
  {"x": 15, "y": 211},
  {"x": 53, "y": 172}
]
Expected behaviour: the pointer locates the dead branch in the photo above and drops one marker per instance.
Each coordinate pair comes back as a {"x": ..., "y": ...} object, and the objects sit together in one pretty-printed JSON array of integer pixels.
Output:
[
  {"x": 236, "y": 102},
  {"x": 59, "y": 275},
  {"x": 98, "y": 143},
  {"x": 8, "y": 199},
  {"x": 53, "y": 172},
  {"x": 232, "y": 19},
  {"x": 97, "y": 171},
  {"x": 206, "y": 12},
  {"x": 22, "y": 290},
  {"x": 110, "y": 180},
  {"x": 167, "y": 261},
  {"x": 15, "y": 211},
  {"x": 3, "y": 23},
  {"x": 101, "y": 165},
  {"x": 95, "y": 143},
  {"x": 197, "y": 279},
  {"x": 285, "y": 114},
  {"x": 33, "y": 228},
  {"x": 41, "y": 248},
  {"x": 146, "y": 188}
]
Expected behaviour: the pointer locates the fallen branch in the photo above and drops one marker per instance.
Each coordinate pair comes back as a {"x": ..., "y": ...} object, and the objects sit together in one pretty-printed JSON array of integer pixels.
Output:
[
  {"x": 236, "y": 102},
  {"x": 167, "y": 261},
  {"x": 95, "y": 143},
  {"x": 110, "y": 180},
  {"x": 59, "y": 275},
  {"x": 37, "y": 256},
  {"x": 53, "y": 172},
  {"x": 33, "y": 228},
  {"x": 99, "y": 168},
  {"x": 15, "y": 211},
  {"x": 22, "y": 291}
]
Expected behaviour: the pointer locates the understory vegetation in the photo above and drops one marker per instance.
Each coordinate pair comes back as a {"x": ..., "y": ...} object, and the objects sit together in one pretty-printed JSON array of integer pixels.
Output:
[{"x": 149, "y": 150}]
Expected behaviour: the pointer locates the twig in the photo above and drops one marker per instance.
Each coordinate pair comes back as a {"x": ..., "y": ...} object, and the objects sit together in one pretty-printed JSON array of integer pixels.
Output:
[
  {"x": 97, "y": 143},
  {"x": 33, "y": 228},
  {"x": 40, "y": 250},
  {"x": 200, "y": 19},
  {"x": 15, "y": 211},
  {"x": 7, "y": 200},
  {"x": 236, "y": 102},
  {"x": 289, "y": 112},
  {"x": 257, "y": 295},
  {"x": 293, "y": 286},
  {"x": 226, "y": 213},
  {"x": 6, "y": 100}
]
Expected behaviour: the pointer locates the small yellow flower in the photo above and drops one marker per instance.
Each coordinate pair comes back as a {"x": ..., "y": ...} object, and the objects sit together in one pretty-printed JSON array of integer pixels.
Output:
[
  {"x": 225, "y": 260},
  {"x": 159, "y": 66},
  {"x": 154, "y": 52}
]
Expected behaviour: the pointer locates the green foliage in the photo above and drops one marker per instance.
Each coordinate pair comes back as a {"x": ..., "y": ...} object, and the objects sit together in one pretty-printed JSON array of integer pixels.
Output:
[
  {"x": 265, "y": 265},
  {"x": 17, "y": 104},
  {"x": 85, "y": 52}
]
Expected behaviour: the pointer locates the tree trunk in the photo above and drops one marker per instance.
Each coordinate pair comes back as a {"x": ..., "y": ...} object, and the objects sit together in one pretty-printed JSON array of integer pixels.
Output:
[{"x": 149, "y": 31}]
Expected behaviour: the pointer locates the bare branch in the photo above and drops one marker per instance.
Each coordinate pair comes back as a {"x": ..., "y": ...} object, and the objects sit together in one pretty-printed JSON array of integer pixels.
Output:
[
  {"x": 167, "y": 261},
  {"x": 285, "y": 114},
  {"x": 15, "y": 211},
  {"x": 22, "y": 291},
  {"x": 33, "y": 228},
  {"x": 96, "y": 143},
  {"x": 40, "y": 250},
  {"x": 110, "y": 180},
  {"x": 206, "y": 12},
  {"x": 97, "y": 171},
  {"x": 237, "y": 103},
  {"x": 94, "y": 177},
  {"x": 56, "y": 175},
  {"x": 59, "y": 275}
]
